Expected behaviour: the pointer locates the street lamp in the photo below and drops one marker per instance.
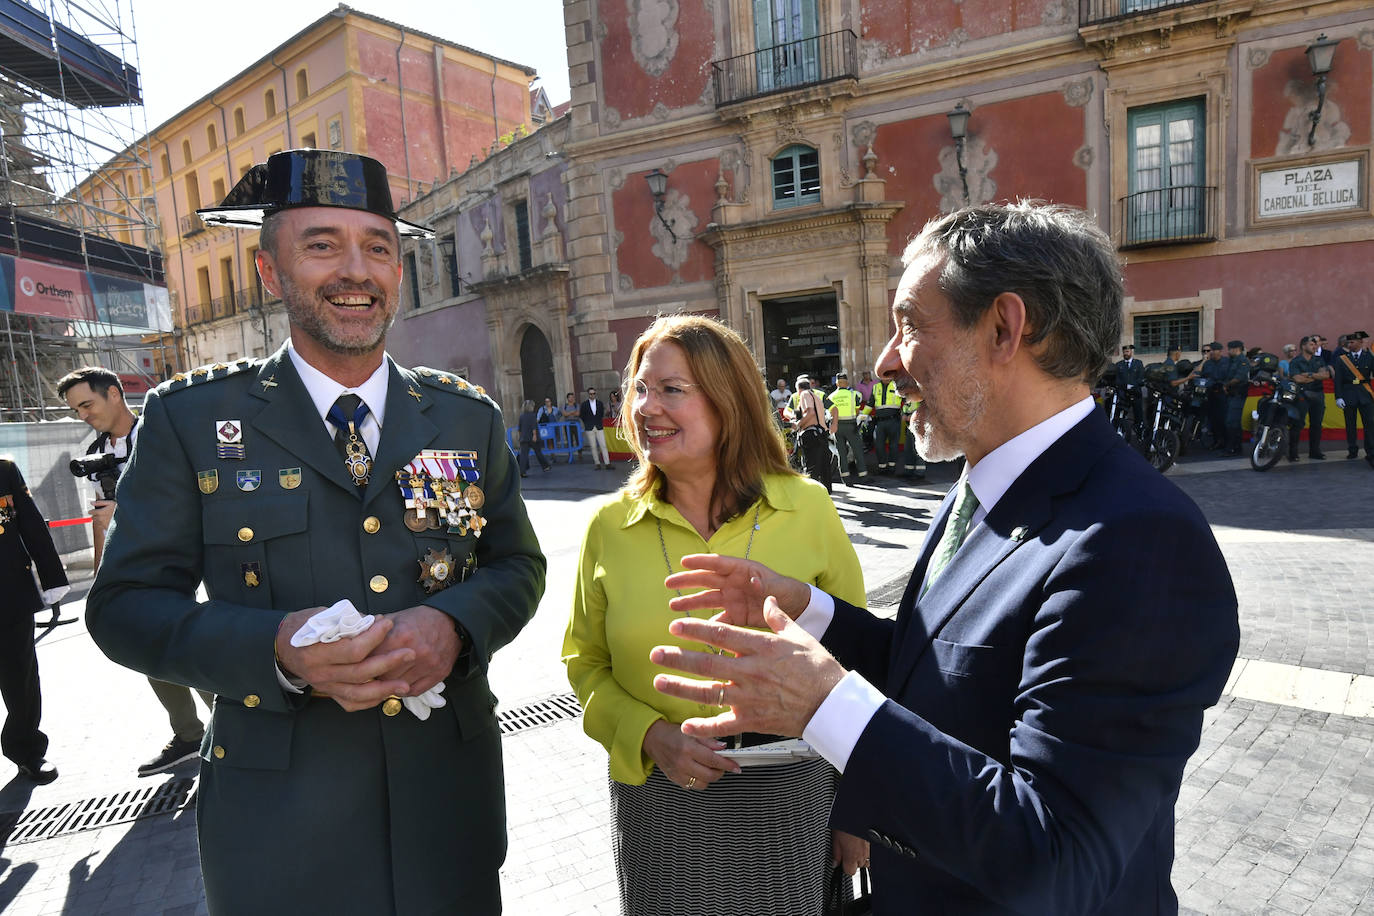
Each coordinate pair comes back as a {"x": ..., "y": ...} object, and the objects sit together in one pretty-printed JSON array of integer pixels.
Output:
[
  {"x": 1320, "y": 54},
  {"x": 658, "y": 187},
  {"x": 958, "y": 129}
]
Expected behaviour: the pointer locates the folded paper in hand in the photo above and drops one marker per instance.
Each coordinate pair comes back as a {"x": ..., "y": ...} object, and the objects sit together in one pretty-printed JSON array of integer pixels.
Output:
[{"x": 341, "y": 620}]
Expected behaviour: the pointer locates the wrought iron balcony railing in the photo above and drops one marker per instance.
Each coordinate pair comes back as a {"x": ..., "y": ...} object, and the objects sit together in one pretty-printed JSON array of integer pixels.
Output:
[
  {"x": 1094, "y": 12},
  {"x": 793, "y": 65},
  {"x": 1167, "y": 216}
]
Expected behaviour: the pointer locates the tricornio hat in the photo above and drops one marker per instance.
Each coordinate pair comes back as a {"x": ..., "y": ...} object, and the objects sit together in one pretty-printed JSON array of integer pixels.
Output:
[
  {"x": 310, "y": 178},
  {"x": 1358, "y": 335}
]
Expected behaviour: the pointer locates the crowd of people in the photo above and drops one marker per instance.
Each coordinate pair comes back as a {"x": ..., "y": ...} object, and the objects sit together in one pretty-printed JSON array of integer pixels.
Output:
[
  {"x": 356, "y": 597},
  {"x": 1229, "y": 371}
]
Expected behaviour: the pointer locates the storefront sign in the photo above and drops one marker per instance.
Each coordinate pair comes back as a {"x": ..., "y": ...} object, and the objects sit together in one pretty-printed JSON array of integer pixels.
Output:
[{"x": 1304, "y": 190}]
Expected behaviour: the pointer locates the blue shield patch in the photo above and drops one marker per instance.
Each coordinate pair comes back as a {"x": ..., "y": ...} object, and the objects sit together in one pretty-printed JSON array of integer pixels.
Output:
[{"x": 248, "y": 481}]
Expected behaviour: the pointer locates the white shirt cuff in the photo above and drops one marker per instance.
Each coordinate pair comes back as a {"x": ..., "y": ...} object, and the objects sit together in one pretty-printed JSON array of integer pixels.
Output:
[
  {"x": 815, "y": 620},
  {"x": 835, "y": 728},
  {"x": 290, "y": 685},
  {"x": 51, "y": 596}
]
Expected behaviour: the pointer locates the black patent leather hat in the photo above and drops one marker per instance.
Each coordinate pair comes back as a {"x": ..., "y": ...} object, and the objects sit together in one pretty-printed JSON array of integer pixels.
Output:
[{"x": 310, "y": 178}]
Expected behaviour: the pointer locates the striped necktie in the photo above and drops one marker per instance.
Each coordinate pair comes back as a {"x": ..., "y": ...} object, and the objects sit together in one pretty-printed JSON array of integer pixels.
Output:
[{"x": 956, "y": 529}]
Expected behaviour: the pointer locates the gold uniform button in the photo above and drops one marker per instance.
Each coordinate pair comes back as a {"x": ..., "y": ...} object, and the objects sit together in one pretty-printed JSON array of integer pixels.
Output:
[
  {"x": 372, "y": 524},
  {"x": 391, "y": 706},
  {"x": 252, "y": 700},
  {"x": 245, "y": 534},
  {"x": 378, "y": 584},
  {"x": 218, "y": 752}
]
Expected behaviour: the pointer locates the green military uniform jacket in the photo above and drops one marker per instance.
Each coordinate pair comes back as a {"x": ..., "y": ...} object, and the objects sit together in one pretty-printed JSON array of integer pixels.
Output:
[{"x": 302, "y": 807}]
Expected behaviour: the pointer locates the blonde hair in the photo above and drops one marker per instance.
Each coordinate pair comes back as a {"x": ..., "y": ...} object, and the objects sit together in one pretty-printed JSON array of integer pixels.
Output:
[{"x": 750, "y": 444}]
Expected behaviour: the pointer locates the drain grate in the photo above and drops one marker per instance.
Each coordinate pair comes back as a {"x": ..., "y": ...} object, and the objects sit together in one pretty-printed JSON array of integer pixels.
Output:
[
  {"x": 36, "y": 824},
  {"x": 557, "y": 708}
]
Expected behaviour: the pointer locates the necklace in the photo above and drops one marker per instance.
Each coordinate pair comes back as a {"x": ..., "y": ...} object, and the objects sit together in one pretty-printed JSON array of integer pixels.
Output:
[{"x": 669, "y": 563}]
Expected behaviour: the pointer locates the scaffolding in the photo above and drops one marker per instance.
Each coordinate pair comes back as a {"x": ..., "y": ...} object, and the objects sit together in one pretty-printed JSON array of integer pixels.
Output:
[{"x": 76, "y": 194}]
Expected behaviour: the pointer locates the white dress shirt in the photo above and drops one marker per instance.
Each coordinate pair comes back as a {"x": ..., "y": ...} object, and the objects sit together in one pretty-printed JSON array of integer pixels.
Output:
[
  {"x": 845, "y": 713},
  {"x": 324, "y": 391}
]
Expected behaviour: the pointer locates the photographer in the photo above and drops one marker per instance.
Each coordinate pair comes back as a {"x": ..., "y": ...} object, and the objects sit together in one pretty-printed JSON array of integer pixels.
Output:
[{"x": 97, "y": 397}]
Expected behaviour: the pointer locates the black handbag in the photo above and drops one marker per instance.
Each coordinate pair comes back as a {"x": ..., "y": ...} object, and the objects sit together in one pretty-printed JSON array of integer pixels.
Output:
[{"x": 836, "y": 905}]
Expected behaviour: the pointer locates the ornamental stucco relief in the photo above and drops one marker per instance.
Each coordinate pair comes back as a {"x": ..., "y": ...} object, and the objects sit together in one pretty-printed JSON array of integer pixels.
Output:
[
  {"x": 1332, "y": 132},
  {"x": 979, "y": 160},
  {"x": 653, "y": 31}
]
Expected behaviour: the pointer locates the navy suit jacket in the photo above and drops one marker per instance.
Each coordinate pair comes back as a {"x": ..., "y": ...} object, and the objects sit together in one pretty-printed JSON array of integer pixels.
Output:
[{"x": 1043, "y": 695}]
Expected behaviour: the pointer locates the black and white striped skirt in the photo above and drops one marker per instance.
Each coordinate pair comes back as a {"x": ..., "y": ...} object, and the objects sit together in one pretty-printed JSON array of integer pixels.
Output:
[{"x": 752, "y": 844}]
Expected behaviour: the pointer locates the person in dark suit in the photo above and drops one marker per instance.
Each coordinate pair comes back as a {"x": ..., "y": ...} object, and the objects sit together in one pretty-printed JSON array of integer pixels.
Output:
[
  {"x": 25, "y": 543},
  {"x": 328, "y": 472},
  {"x": 1130, "y": 376},
  {"x": 1354, "y": 371},
  {"x": 592, "y": 413},
  {"x": 1015, "y": 740}
]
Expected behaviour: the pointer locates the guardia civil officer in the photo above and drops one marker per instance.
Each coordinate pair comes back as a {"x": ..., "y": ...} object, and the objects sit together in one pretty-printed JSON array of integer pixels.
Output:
[
  {"x": 886, "y": 404},
  {"x": 1130, "y": 377},
  {"x": 1354, "y": 369},
  {"x": 328, "y": 472},
  {"x": 848, "y": 404},
  {"x": 1215, "y": 368},
  {"x": 1310, "y": 372},
  {"x": 1237, "y": 386},
  {"x": 25, "y": 544}
]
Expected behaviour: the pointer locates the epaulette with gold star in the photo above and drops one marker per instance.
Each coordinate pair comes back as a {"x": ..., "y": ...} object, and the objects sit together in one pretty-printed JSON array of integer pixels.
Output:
[
  {"x": 207, "y": 373},
  {"x": 447, "y": 381}
]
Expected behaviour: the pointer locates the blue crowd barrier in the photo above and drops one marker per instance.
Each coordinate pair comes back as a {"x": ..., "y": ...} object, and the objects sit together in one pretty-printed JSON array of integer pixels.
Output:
[{"x": 561, "y": 438}]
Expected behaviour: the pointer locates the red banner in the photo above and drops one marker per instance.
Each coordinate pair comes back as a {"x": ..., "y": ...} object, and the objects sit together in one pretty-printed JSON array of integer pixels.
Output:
[{"x": 46, "y": 289}]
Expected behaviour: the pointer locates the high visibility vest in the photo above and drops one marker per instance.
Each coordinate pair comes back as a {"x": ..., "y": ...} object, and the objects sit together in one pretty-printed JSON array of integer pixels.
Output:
[
  {"x": 847, "y": 402},
  {"x": 886, "y": 396}
]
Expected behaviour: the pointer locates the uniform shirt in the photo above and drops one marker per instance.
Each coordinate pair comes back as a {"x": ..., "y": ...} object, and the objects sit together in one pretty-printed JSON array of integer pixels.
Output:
[
  {"x": 1239, "y": 373},
  {"x": 886, "y": 399},
  {"x": 845, "y": 713},
  {"x": 620, "y": 605},
  {"x": 1214, "y": 370},
  {"x": 324, "y": 391},
  {"x": 1302, "y": 365}
]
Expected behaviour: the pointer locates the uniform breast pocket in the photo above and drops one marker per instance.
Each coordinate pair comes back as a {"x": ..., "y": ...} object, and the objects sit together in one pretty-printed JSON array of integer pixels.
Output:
[{"x": 256, "y": 546}]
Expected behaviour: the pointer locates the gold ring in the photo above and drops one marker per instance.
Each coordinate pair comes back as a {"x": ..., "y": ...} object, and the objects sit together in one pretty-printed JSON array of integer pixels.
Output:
[
  {"x": 720, "y": 696},
  {"x": 691, "y": 781}
]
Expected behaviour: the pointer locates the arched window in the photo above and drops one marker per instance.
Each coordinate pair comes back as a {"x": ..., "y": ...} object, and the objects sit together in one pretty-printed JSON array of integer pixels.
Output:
[
  {"x": 302, "y": 84},
  {"x": 238, "y": 121},
  {"x": 269, "y": 103},
  {"x": 796, "y": 177},
  {"x": 186, "y": 151},
  {"x": 210, "y": 136},
  {"x": 166, "y": 165}
]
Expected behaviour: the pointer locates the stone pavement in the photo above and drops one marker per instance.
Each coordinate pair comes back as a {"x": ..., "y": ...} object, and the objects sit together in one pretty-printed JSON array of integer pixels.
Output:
[{"x": 1274, "y": 815}]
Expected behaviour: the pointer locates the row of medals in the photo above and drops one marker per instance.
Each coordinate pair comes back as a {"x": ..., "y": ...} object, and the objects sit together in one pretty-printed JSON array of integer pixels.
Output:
[{"x": 453, "y": 503}]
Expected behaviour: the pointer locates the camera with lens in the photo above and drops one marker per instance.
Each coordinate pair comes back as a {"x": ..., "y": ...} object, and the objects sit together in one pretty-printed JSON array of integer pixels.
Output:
[{"x": 103, "y": 468}]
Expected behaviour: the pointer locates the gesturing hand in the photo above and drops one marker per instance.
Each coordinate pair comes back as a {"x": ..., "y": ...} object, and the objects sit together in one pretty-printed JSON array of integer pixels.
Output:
[
  {"x": 690, "y": 762},
  {"x": 774, "y": 684},
  {"x": 736, "y": 587},
  {"x": 346, "y": 670}
]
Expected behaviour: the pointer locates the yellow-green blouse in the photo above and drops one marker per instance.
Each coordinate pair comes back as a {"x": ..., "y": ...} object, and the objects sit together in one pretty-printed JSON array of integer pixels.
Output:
[{"x": 620, "y": 606}]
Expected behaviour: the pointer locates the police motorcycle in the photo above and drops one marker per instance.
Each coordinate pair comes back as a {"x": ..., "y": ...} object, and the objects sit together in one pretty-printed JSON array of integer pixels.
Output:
[
  {"x": 1161, "y": 441},
  {"x": 1279, "y": 411},
  {"x": 1192, "y": 396},
  {"x": 1117, "y": 403}
]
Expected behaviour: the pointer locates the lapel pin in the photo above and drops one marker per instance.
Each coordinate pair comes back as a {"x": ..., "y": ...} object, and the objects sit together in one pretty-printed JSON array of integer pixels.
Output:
[
  {"x": 269, "y": 382},
  {"x": 1019, "y": 533},
  {"x": 413, "y": 393}
]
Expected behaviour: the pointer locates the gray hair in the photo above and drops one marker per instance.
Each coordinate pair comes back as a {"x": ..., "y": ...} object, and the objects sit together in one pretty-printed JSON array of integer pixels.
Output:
[
  {"x": 1060, "y": 263},
  {"x": 527, "y": 407}
]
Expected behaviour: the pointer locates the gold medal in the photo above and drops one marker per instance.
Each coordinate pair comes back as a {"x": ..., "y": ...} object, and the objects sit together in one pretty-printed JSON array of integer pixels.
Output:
[
  {"x": 416, "y": 520},
  {"x": 474, "y": 496},
  {"x": 436, "y": 570}
]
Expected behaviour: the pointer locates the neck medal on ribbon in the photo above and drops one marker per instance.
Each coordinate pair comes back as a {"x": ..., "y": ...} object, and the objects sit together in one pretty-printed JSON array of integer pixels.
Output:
[{"x": 439, "y": 487}]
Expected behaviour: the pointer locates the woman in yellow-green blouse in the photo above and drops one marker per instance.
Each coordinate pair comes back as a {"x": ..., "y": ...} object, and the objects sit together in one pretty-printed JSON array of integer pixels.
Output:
[{"x": 712, "y": 478}]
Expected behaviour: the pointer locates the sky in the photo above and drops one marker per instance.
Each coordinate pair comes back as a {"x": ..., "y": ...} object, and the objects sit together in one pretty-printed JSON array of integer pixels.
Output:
[{"x": 179, "y": 64}]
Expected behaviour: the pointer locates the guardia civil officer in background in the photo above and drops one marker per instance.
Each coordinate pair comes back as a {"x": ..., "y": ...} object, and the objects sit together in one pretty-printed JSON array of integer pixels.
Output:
[
  {"x": 1215, "y": 368},
  {"x": 328, "y": 472},
  {"x": 886, "y": 404},
  {"x": 848, "y": 404},
  {"x": 1237, "y": 386},
  {"x": 1355, "y": 393},
  {"x": 25, "y": 543},
  {"x": 1130, "y": 375}
]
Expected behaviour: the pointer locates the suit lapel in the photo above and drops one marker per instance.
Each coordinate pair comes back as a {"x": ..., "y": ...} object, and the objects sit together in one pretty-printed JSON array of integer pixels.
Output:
[
  {"x": 1018, "y": 516},
  {"x": 288, "y": 418},
  {"x": 406, "y": 434}
]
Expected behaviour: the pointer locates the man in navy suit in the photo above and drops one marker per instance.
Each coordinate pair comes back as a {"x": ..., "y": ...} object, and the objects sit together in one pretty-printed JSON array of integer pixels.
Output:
[{"x": 1015, "y": 740}]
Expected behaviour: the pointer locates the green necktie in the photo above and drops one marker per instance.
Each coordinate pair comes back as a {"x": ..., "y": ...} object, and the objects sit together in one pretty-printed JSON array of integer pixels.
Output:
[{"x": 956, "y": 529}]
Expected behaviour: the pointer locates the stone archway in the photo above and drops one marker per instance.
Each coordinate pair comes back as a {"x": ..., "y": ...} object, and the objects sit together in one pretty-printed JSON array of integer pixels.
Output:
[{"x": 536, "y": 367}]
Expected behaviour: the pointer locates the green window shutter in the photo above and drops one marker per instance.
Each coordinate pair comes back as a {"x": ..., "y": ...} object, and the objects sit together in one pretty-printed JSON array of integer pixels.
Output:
[{"x": 1166, "y": 169}]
